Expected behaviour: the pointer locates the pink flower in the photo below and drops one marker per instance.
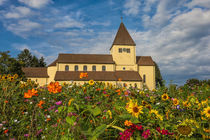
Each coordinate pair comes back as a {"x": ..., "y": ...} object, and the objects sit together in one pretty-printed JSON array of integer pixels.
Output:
[
  {"x": 146, "y": 134},
  {"x": 58, "y": 103},
  {"x": 125, "y": 135},
  {"x": 26, "y": 135}
]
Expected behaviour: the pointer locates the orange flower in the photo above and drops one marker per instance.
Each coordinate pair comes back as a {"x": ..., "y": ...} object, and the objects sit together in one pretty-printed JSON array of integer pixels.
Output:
[
  {"x": 6, "y": 101},
  {"x": 91, "y": 121},
  {"x": 30, "y": 93},
  {"x": 118, "y": 93},
  {"x": 127, "y": 123},
  {"x": 48, "y": 119},
  {"x": 82, "y": 74},
  {"x": 104, "y": 117},
  {"x": 41, "y": 103},
  {"x": 54, "y": 87}
]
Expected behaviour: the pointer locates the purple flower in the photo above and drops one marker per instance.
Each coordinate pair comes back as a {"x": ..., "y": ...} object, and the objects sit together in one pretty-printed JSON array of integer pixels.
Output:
[
  {"x": 38, "y": 132},
  {"x": 51, "y": 108},
  {"x": 146, "y": 134},
  {"x": 58, "y": 103},
  {"x": 178, "y": 106},
  {"x": 56, "y": 110}
]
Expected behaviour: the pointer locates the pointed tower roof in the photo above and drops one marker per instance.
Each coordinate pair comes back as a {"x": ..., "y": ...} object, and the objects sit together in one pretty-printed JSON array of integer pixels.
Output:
[{"x": 123, "y": 37}]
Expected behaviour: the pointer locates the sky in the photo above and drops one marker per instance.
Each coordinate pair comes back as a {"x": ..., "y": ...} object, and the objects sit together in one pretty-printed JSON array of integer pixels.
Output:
[{"x": 176, "y": 33}]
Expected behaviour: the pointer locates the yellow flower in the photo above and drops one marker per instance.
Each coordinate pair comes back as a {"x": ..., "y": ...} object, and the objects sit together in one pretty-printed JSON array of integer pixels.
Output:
[
  {"x": 154, "y": 111},
  {"x": 175, "y": 101},
  {"x": 127, "y": 123},
  {"x": 207, "y": 112},
  {"x": 134, "y": 109},
  {"x": 165, "y": 97},
  {"x": 185, "y": 130},
  {"x": 69, "y": 103},
  {"x": 110, "y": 114},
  {"x": 204, "y": 102},
  {"x": 91, "y": 82}
]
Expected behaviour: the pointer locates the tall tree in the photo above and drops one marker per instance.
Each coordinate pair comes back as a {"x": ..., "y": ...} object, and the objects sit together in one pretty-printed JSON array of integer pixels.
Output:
[
  {"x": 9, "y": 65},
  {"x": 41, "y": 62},
  {"x": 158, "y": 76},
  {"x": 29, "y": 60},
  {"x": 25, "y": 58}
]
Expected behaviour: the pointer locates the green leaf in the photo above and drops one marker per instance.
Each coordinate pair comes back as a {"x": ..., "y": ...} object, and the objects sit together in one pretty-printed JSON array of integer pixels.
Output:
[
  {"x": 96, "y": 111},
  {"x": 61, "y": 108},
  {"x": 71, "y": 120},
  {"x": 125, "y": 116},
  {"x": 77, "y": 107},
  {"x": 99, "y": 130},
  {"x": 70, "y": 109}
]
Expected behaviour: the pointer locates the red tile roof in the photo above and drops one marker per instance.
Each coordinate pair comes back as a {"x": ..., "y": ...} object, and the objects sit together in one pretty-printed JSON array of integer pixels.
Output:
[
  {"x": 39, "y": 72},
  {"x": 98, "y": 76},
  {"x": 145, "y": 61}
]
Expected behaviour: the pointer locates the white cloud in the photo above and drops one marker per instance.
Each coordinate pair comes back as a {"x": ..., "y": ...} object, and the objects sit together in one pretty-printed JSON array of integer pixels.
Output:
[
  {"x": 18, "y": 12},
  {"x": 107, "y": 23},
  {"x": 182, "y": 47},
  {"x": 131, "y": 7},
  {"x": 202, "y": 3},
  {"x": 35, "y": 3},
  {"x": 22, "y": 27},
  {"x": 148, "y": 5},
  {"x": 2, "y": 1},
  {"x": 68, "y": 22}
]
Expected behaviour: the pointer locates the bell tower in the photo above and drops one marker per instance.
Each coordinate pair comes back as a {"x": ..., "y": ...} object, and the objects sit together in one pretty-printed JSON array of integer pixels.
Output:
[{"x": 123, "y": 50}]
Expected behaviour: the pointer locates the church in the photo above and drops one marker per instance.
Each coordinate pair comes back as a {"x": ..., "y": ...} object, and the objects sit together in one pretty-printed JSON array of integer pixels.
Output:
[{"x": 121, "y": 66}]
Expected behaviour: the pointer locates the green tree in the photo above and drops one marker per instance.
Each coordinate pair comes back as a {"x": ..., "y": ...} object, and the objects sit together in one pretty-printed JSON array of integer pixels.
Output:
[
  {"x": 41, "y": 62},
  {"x": 25, "y": 58},
  {"x": 28, "y": 60},
  {"x": 9, "y": 65},
  {"x": 158, "y": 76}
]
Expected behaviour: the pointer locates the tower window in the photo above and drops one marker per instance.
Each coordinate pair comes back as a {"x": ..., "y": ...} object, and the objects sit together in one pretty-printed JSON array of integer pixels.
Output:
[
  {"x": 103, "y": 68},
  {"x": 76, "y": 68},
  {"x": 66, "y": 68},
  {"x": 124, "y": 50},
  {"x": 144, "y": 78},
  {"x": 85, "y": 68},
  {"x": 120, "y": 50},
  {"x": 128, "y": 50},
  {"x": 123, "y": 68},
  {"x": 93, "y": 68}
]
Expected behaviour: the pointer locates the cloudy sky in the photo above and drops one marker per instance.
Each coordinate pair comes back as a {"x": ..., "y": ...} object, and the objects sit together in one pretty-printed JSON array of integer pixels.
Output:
[{"x": 176, "y": 33}]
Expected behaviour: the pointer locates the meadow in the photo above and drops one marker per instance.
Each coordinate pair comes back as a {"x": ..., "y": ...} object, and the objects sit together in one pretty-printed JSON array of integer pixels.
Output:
[{"x": 102, "y": 111}]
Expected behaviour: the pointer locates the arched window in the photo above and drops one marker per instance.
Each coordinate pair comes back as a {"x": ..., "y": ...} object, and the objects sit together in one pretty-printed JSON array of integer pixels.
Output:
[
  {"x": 76, "y": 68},
  {"x": 123, "y": 68},
  {"x": 93, "y": 68},
  {"x": 144, "y": 78},
  {"x": 66, "y": 68},
  {"x": 85, "y": 68},
  {"x": 103, "y": 68}
]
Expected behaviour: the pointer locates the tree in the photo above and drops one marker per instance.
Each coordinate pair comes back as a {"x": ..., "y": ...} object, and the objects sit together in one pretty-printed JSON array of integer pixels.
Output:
[
  {"x": 9, "y": 65},
  {"x": 29, "y": 60},
  {"x": 25, "y": 58},
  {"x": 41, "y": 62},
  {"x": 158, "y": 76}
]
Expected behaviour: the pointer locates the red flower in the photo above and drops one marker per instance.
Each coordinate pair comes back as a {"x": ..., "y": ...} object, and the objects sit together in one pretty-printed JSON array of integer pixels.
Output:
[{"x": 5, "y": 131}]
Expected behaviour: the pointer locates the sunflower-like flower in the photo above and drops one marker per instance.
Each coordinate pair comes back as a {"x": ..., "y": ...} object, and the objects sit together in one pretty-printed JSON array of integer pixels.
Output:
[
  {"x": 134, "y": 109},
  {"x": 176, "y": 102},
  {"x": 207, "y": 112},
  {"x": 165, "y": 97},
  {"x": 185, "y": 130},
  {"x": 91, "y": 82}
]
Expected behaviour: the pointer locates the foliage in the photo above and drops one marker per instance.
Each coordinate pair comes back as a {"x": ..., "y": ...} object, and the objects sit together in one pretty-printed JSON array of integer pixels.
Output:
[
  {"x": 9, "y": 65},
  {"x": 158, "y": 76},
  {"x": 28, "y": 60},
  {"x": 97, "y": 110}
]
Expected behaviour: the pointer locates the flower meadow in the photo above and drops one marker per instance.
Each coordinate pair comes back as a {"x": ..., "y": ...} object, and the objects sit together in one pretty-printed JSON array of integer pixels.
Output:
[{"x": 99, "y": 111}]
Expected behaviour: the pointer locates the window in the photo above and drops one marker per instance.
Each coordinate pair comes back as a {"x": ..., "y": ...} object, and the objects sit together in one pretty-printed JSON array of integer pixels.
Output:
[
  {"x": 123, "y": 68},
  {"x": 76, "y": 68},
  {"x": 124, "y": 50},
  {"x": 120, "y": 50},
  {"x": 66, "y": 68},
  {"x": 144, "y": 78},
  {"x": 93, "y": 68},
  {"x": 128, "y": 50},
  {"x": 85, "y": 68},
  {"x": 103, "y": 68}
]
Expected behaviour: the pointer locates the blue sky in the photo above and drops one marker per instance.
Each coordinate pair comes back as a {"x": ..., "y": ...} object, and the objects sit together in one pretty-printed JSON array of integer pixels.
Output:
[{"x": 176, "y": 33}]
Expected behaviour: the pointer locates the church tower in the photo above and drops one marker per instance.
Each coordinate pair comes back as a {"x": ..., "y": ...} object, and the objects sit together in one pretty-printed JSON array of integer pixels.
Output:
[{"x": 123, "y": 50}]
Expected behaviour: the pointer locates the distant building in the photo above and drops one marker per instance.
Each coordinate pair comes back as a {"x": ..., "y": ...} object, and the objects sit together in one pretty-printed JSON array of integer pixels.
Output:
[{"x": 120, "y": 66}]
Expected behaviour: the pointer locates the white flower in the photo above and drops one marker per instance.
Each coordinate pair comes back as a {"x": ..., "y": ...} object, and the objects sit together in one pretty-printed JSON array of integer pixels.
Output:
[
  {"x": 26, "y": 113},
  {"x": 15, "y": 120},
  {"x": 31, "y": 102},
  {"x": 44, "y": 98},
  {"x": 48, "y": 116},
  {"x": 157, "y": 103},
  {"x": 43, "y": 137}
]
